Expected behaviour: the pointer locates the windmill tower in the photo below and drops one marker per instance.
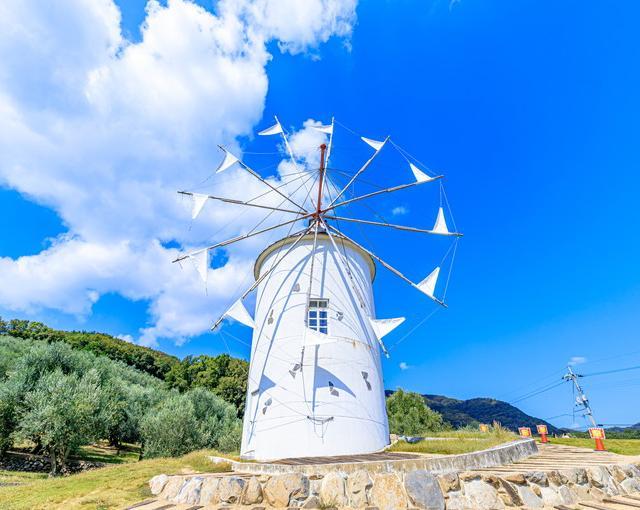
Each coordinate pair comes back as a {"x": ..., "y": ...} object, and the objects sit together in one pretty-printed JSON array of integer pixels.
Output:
[{"x": 315, "y": 379}]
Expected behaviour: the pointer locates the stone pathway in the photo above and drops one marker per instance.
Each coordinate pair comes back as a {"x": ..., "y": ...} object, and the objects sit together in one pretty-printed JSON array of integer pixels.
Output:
[
  {"x": 343, "y": 459},
  {"x": 552, "y": 456}
]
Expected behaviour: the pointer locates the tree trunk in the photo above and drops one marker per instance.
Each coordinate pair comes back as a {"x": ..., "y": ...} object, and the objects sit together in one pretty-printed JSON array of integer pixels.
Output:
[{"x": 54, "y": 464}]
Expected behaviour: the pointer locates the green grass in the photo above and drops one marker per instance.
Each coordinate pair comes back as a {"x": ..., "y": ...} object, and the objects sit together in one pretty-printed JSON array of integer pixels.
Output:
[
  {"x": 446, "y": 446},
  {"x": 620, "y": 446},
  {"x": 106, "y": 488},
  {"x": 465, "y": 440},
  {"x": 102, "y": 452}
]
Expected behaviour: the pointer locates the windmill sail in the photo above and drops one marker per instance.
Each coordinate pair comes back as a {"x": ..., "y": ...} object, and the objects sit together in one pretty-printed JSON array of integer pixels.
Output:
[
  {"x": 373, "y": 143},
  {"x": 440, "y": 226},
  {"x": 382, "y": 327},
  {"x": 238, "y": 312},
  {"x": 201, "y": 261},
  {"x": 324, "y": 129},
  {"x": 197, "y": 203},
  {"x": 276, "y": 129},
  {"x": 419, "y": 174},
  {"x": 229, "y": 160},
  {"x": 428, "y": 285}
]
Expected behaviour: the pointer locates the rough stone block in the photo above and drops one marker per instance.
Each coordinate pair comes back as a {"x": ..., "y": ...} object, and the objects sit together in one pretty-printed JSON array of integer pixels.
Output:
[
  {"x": 230, "y": 489},
  {"x": 630, "y": 485},
  {"x": 424, "y": 490},
  {"x": 157, "y": 483},
  {"x": 332, "y": 490},
  {"x": 517, "y": 478},
  {"x": 190, "y": 491},
  {"x": 358, "y": 486},
  {"x": 387, "y": 492},
  {"x": 537, "y": 477},
  {"x": 209, "y": 491},
  {"x": 509, "y": 494},
  {"x": 449, "y": 482},
  {"x": 529, "y": 498},
  {"x": 280, "y": 490},
  {"x": 483, "y": 495},
  {"x": 252, "y": 492},
  {"x": 172, "y": 487}
]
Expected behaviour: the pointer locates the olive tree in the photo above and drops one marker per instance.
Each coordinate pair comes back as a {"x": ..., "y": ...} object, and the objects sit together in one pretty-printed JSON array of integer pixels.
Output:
[
  {"x": 61, "y": 414},
  {"x": 408, "y": 414}
]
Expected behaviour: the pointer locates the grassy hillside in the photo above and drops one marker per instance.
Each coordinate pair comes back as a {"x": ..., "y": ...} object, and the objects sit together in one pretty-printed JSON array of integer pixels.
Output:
[
  {"x": 106, "y": 488},
  {"x": 148, "y": 360}
]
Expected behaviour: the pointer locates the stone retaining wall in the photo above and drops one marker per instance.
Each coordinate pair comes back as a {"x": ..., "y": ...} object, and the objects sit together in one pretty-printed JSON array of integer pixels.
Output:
[
  {"x": 507, "y": 453},
  {"x": 401, "y": 490},
  {"x": 38, "y": 463}
]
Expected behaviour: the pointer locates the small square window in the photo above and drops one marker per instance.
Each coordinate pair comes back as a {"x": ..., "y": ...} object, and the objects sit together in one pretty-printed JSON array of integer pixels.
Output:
[{"x": 318, "y": 315}]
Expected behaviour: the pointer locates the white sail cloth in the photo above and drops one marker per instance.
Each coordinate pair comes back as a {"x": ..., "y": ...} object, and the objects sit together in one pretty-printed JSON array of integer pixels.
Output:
[
  {"x": 239, "y": 312},
  {"x": 201, "y": 262},
  {"x": 382, "y": 327},
  {"x": 419, "y": 175},
  {"x": 428, "y": 285},
  {"x": 373, "y": 143},
  {"x": 197, "y": 203},
  {"x": 440, "y": 226},
  {"x": 324, "y": 129},
  {"x": 229, "y": 160},
  {"x": 276, "y": 129}
]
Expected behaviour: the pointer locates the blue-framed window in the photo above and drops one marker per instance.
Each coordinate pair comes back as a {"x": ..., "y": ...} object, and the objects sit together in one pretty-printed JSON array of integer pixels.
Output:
[{"x": 318, "y": 318}]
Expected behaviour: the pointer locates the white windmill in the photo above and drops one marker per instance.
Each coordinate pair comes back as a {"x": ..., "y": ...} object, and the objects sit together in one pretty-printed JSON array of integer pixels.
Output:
[{"x": 315, "y": 381}]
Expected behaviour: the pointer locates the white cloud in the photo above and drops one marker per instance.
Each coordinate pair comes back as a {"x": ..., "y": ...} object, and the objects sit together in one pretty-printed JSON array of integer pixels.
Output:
[
  {"x": 577, "y": 360},
  {"x": 404, "y": 365},
  {"x": 104, "y": 131},
  {"x": 126, "y": 338},
  {"x": 399, "y": 210}
]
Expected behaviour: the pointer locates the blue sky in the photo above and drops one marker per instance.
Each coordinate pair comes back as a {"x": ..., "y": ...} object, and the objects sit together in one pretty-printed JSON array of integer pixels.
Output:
[{"x": 531, "y": 110}]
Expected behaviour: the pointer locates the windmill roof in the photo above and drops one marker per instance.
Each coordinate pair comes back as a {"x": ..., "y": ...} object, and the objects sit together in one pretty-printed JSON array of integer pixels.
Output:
[{"x": 290, "y": 239}]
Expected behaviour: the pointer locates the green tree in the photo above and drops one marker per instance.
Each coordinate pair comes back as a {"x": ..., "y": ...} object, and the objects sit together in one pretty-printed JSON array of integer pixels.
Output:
[
  {"x": 189, "y": 421},
  {"x": 60, "y": 414},
  {"x": 409, "y": 415}
]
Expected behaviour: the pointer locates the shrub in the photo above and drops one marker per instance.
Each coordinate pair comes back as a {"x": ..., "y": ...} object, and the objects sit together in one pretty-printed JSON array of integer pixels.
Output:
[
  {"x": 409, "y": 415},
  {"x": 189, "y": 421}
]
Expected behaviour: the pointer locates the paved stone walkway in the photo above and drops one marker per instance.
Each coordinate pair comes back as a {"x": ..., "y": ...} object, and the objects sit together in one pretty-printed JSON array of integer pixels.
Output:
[{"x": 552, "y": 456}]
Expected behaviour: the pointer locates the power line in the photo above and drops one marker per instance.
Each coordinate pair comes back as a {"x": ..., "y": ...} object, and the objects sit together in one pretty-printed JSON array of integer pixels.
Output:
[{"x": 604, "y": 372}]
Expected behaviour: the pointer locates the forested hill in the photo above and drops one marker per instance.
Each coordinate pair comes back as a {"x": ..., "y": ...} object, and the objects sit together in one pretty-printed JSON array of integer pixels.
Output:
[
  {"x": 483, "y": 410},
  {"x": 224, "y": 375},
  {"x": 148, "y": 360}
]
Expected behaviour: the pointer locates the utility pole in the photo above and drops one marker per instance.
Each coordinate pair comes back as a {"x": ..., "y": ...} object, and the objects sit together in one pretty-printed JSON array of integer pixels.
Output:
[{"x": 581, "y": 400}]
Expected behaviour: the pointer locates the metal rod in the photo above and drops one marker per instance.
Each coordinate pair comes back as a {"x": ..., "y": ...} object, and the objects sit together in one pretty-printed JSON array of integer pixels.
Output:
[
  {"x": 369, "y": 195},
  {"x": 257, "y": 176},
  {"x": 323, "y": 148},
  {"x": 385, "y": 264},
  {"x": 362, "y": 169},
  {"x": 392, "y": 225},
  {"x": 246, "y": 236},
  {"x": 240, "y": 202}
]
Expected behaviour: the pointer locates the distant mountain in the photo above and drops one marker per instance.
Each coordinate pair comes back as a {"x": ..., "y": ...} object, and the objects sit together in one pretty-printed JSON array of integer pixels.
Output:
[
  {"x": 630, "y": 428},
  {"x": 483, "y": 410}
]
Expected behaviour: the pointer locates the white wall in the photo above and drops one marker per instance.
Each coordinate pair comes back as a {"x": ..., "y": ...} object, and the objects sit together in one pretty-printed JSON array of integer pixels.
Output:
[{"x": 306, "y": 417}]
